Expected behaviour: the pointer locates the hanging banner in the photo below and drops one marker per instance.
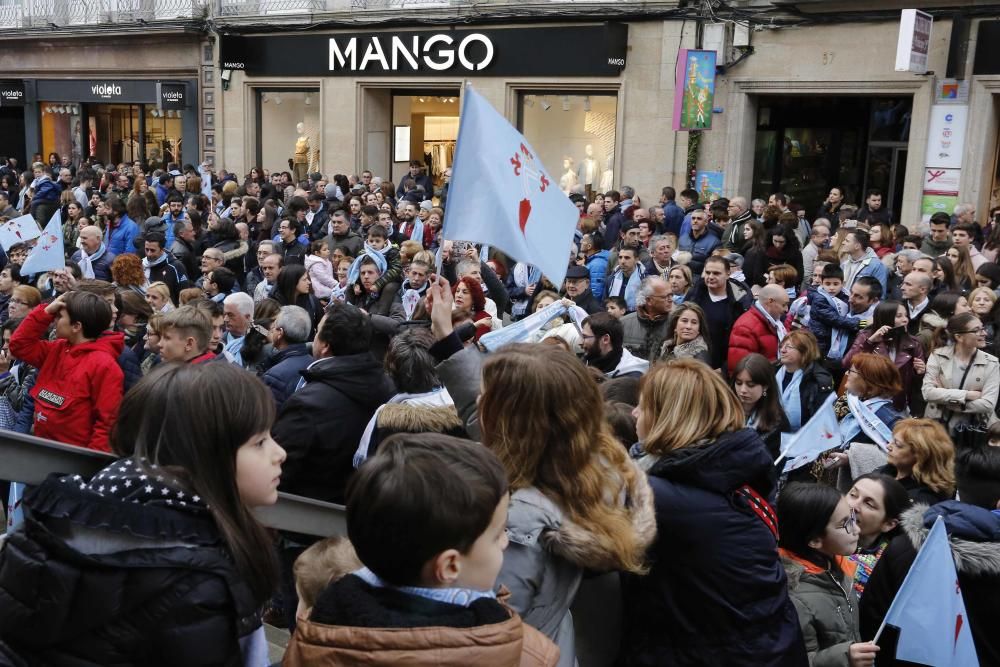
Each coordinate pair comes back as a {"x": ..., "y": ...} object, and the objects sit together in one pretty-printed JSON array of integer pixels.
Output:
[
  {"x": 914, "y": 41},
  {"x": 694, "y": 90},
  {"x": 946, "y": 136}
]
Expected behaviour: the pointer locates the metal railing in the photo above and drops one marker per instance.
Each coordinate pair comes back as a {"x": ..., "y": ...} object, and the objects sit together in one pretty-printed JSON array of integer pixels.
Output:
[
  {"x": 27, "y": 459},
  {"x": 29, "y": 14}
]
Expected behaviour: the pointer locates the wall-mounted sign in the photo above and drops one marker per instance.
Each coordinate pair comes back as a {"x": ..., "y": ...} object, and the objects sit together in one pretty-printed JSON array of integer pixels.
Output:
[
  {"x": 694, "y": 90},
  {"x": 171, "y": 96},
  {"x": 101, "y": 90},
  {"x": 914, "y": 41},
  {"x": 941, "y": 181},
  {"x": 946, "y": 136},
  {"x": 598, "y": 50},
  {"x": 11, "y": 93}
]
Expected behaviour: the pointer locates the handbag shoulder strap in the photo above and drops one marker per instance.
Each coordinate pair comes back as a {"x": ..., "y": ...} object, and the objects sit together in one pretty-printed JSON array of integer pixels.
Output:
[
  {"x": 961, "y": 384},
  {"x": 760, "y": 507}
]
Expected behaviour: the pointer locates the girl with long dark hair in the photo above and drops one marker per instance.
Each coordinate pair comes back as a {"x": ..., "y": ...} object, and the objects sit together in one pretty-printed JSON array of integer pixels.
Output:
[
  {"x": 158, "y": 559},
  {"x": 293, "y": 287},
  {"x": 755, "y": 387},
  {"x": 887, "y": 336}
]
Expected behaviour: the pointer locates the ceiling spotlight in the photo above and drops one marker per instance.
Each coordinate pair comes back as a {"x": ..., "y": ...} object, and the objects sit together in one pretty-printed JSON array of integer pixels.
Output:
[
  {"x": 586, "y": 103},
  {"x": 309, "y": 100},
  {"x": 545, "y": 105},
  {"x": 565, "y": 102},
  {"x": 421, "y": 99}
]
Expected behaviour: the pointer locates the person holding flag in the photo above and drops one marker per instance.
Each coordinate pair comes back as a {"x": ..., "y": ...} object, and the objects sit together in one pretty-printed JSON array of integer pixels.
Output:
[
  {"x": 934, "y": 596},
  {"x": 819, "y": 530}
]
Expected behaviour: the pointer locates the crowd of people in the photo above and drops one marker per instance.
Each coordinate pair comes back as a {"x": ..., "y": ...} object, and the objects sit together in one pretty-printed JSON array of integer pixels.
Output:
[{"x": 226, "y": 338}]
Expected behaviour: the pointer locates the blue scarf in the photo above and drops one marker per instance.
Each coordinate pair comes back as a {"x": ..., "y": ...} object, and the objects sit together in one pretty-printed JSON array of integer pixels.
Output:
[
  {"x": 851, "y": 426},
  {"x": 790, "y": 397},
  {"x": 417, "y": 234},
  {"x": 631, "y": 287},
  {"x": 377, "y": 255},
  {"x": 462, "y": 597},
  {"x": 838, "y": 337}
]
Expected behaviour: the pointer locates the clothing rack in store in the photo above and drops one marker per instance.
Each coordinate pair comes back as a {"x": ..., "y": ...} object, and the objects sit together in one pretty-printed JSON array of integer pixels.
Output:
[{"x": 439, "y": 155}]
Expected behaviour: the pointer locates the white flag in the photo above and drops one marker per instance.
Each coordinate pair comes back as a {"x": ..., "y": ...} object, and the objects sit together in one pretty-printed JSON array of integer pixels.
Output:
[
  {"x": 821, "y": 433},
  {"x": 18, "y": 230}
]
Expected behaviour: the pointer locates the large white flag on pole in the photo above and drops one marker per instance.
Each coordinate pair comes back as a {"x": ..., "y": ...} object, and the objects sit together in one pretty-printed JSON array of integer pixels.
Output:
[
  {"x": 48, "y": 253},
  {"x": 18, "y": 230},
  {"x": 501, "y": 195},
  {"x": 821, "y": 432}
]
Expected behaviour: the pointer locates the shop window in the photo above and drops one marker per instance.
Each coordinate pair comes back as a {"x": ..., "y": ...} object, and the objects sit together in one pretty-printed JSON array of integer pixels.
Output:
[
  {"x": 288, "y": 131},
  {"x": 425, "y": 129},
  {"x": 574, "y": 136},
  {"x": 163, "y": 141},
  {"x": 62, "y": 130}
]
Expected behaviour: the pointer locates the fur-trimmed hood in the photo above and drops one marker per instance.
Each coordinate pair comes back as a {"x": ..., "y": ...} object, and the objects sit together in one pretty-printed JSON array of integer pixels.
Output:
[
  {"x": 973, "y": 533},
  {"x": 415, "y": 418},
  {"x": 534, "y": 518}
]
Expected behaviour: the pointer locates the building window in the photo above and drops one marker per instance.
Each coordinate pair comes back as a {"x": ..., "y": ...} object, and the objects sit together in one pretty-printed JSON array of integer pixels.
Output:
[
  {"x": 288, "y": 131},
  {"x": 164, "y": 138},
  {"x": 574, "y": 136}
]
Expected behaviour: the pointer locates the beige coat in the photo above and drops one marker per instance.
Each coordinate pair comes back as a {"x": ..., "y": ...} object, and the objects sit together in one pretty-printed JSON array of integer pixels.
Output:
[{"x": 946, "y": 400}]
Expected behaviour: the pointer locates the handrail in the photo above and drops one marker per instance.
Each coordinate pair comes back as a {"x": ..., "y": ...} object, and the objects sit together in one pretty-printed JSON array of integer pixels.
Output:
[{"x": 28, "y": 459}]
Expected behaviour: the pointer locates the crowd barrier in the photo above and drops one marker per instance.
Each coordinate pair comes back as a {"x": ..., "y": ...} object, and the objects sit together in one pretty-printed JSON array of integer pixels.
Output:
[{"x": 596, "y": 612}]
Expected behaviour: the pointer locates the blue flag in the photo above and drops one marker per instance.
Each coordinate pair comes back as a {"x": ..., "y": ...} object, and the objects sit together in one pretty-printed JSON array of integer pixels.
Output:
[
  {"x": 48, "y": 254},
  {"x": 819, "y": 434},
  {"x": 929, "y": 610},
  {"x": 501, "y": 195}
]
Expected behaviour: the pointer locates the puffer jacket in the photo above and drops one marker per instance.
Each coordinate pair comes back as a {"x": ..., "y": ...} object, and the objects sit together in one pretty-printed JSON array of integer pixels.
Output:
[
  {"x": 321, "y": 275},
  {"x": 716, "y": 593},
  {"x": 827, "y": 606},
  {"x": 79, "y": 386},
  {"x": 355, "y": 624},
  {"x": 946, "y": 401},
  {"x": 823, "y": 318},
  {"x": 752, "y": 333},
  {"x": 95, "y": 579}
]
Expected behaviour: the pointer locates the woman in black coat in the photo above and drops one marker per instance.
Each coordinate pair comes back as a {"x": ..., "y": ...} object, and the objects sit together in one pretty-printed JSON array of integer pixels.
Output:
[
  {"x": 716, "y": 592},
  {"x": 803, "y": 383}
]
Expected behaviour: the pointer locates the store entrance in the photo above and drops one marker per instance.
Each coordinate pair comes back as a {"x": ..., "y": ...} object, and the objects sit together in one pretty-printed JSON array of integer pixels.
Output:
[
  {"x": 806, "y": 145},
  {"x": 424, "y": 128},
  {"x": 12, "y": 134}
]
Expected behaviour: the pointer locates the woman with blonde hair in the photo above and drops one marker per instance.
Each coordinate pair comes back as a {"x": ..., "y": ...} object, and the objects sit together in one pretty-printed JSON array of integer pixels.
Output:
[
  {"x": 578, "y": 502},
  {"x": 922, "y": 459},
  {"x": 158, "y": 297},
  {"x": 716, "y": 592},
  {"x": 680, "y": 279}
]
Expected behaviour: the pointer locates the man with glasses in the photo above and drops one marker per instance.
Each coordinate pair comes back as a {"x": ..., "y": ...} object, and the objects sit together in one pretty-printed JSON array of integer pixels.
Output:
[
  {"x": 211, "y": 260},
  {"x": 601, "y": 338},
  {"x": 256, "y": 274},
  {"x": 290, "y": 248},
  {"x": 646, "y": 328},
  {"x": 739, "y": 215},
  {"x": 760, "y": 329}
]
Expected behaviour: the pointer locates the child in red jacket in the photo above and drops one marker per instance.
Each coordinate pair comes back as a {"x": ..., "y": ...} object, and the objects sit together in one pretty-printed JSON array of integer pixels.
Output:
[{"x": 79, "y": 383}]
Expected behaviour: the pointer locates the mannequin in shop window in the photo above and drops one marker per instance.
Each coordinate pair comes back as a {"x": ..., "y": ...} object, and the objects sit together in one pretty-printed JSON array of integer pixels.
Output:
[
  {"x": 588, "y": 173},
  {"x": 608, "y": 177},
  {"x": 569, "y": 180},
  {"x": 300, "y": 162}
]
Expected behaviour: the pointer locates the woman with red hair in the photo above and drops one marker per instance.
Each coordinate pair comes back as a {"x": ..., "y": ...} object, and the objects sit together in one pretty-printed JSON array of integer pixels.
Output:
[{"x": 469, "y": 296}]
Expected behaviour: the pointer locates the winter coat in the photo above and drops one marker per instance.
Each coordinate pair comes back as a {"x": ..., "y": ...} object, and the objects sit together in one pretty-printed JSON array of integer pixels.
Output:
[
  {"x": 79, "y": 386},
  {"x": 172, "y": 273},
  {"x": 974, "y": 536},
  {"x": 673, "y": 218},
  {"x": 945, "y": 401},
  {"x": 716, "y": 593},
  {"x": 613, "y": 221},
  {"x": 101, "y": 266},
  {"x": 355, "y": 624},
  {"x": 907, "y": 349},
  {"x": 95, "y": 579},
  {"x": 184, "y": 253},
  {"x": 233, "y": 254},
  {"x": 120, "y": 237},
  {"x": 919, "y": 493},
  {"x": 700, "y": 248},
  {"x": 351, "y": 243},
  {"x": 321, "y": 275},
  {"x": 385, "y": 310},
  {"x": 644, "y": 336},
  {"x": 752, "y": 333},
  {"x": 695, "y": 349},
  {"x": 407, "y": 417},
  {"x": 738, "y": 300},
  {"x": 321, "y": 423},
  {"x": 827, "y": 607},
  {"x": 284, "y": 370},
  {"x": 320, "y": 222},
  {"x": 597, "y": 264},
  {"x": 815, "y": 387},
  {"x": 824, "y": 318}
]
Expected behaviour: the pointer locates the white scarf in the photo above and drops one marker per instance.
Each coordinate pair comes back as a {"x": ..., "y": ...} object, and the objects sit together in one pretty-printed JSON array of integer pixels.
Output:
[
  {"x": 87, "y": 261},
  {"x": 838, "y": 337},
  {"x": 631, "y": 287},
  {"x": 779, "y": 328}
]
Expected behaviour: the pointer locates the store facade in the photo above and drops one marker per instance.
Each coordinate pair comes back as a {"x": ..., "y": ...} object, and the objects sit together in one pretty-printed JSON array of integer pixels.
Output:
[{"x": 342, "y": 102}]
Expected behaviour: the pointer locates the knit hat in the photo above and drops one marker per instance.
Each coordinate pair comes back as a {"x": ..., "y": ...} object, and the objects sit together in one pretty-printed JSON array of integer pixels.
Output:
[{"x": 426, "y": 205}]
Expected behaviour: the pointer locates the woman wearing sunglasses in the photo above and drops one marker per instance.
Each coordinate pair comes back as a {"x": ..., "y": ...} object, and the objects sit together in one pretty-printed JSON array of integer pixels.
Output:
[{"x": 819, "y": 530}]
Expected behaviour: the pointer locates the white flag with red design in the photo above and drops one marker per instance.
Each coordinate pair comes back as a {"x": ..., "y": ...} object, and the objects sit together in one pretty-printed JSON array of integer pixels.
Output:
[
  {"x": 18, "y": 230},
  {"x": 501, "y": 195},
  {"x": 48, "y": 254}
]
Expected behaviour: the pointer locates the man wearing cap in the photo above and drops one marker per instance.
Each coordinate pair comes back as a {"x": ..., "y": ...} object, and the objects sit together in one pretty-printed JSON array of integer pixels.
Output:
[
  {"x": 414, "y": 178},
  {"x": 577, "y": 287}
]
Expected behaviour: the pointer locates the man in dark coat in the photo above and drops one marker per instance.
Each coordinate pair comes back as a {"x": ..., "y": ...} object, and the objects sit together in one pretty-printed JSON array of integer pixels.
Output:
[
  {"x": 321, "y": 423},
  {"x": 283, "y": 369},
  {"x": 578, "y": 289},
  {"x": 723, "y": 301}
]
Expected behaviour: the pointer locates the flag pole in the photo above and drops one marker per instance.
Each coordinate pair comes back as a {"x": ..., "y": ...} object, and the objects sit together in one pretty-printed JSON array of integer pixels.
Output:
[{"x": 461, "y": 105}]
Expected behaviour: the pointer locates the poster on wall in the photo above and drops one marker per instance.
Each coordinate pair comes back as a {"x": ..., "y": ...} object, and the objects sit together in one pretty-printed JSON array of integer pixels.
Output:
[
  {"x": 946, "y": 137},
  {"x": 708, "y": 184},
  {"x": 941, "y": 181},
  {"x": 694, "y": 90},
  {"x": 931, "y": 204}
]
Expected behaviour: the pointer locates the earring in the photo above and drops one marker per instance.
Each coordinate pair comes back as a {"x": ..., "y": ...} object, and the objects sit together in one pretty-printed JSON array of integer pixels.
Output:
[{"x": 765, "y": 393}]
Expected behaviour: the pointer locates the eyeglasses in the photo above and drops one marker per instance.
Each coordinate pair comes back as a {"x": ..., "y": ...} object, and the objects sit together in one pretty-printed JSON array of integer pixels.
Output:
[
  {"x": 850, "y": 524},
  {"x": 978, "y": 331},
  {"x": 19, "y": 302}
]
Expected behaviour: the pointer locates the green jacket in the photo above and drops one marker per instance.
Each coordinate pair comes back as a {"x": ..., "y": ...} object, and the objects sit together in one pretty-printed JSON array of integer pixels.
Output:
[{"x": 828, "y": 611}]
